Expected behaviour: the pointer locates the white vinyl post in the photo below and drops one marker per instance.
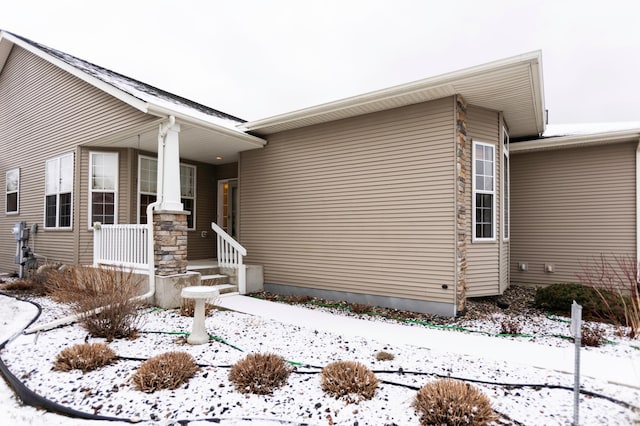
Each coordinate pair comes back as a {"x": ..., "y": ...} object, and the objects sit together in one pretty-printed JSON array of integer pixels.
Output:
[{"x": 576, "y": 331}]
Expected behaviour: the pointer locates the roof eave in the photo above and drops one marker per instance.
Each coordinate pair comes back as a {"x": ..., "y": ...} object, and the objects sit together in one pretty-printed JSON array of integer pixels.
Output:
[
  {"x": 532, "y": 59},
  {"x": 99, "y": 84},
  {"x": 165, "y": 112},
  {"x": 573, "y": 141}
]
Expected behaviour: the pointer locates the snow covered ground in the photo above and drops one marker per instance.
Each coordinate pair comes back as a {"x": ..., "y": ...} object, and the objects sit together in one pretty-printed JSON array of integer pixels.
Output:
[{"x": 314, "y": 338}]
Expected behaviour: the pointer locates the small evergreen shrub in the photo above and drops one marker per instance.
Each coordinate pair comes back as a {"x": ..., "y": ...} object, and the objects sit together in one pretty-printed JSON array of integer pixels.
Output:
[
  {"x": 165, "y": 371},
  {"x": 85, "y": 357},
  {"x": 346, "y": 378},
  {"x": 453, "y": 403},
  {"x": 259, "y": 374},
  {"x": 385, "y": 356},
  {"x": 597, "y": 305}
]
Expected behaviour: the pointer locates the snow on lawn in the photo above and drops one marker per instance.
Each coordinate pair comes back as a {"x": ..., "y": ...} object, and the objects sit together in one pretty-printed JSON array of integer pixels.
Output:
[{"x": 109, "y": 391}]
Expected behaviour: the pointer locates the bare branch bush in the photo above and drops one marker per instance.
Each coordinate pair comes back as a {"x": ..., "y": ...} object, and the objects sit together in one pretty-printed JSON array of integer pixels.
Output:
[
  {"x": 615, "y": 279},
  {"x": 102, "y": 297}
]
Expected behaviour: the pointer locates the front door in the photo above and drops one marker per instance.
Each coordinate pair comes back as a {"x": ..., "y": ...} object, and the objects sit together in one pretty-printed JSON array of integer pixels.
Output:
[{"x": 228, "y": 206}]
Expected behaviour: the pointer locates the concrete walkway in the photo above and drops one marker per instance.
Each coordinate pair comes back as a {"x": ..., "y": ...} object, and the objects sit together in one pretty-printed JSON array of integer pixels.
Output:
[{"x": 623, "y": 371}]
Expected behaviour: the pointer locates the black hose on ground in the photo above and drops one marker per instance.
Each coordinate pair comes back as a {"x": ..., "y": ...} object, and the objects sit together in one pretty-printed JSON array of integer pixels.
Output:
[{"x": 31, "y": 398}]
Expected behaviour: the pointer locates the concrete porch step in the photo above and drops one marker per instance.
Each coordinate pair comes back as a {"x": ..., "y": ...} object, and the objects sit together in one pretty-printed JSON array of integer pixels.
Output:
[
  {"x": 214, "y": 279},
  {"x": 224, "y": 288}
]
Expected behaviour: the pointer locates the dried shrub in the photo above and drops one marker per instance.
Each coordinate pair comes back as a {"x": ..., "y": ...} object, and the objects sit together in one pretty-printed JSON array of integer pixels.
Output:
[
  {"x": 187, "y": 308},
  {"x": 298, "y": 299},
  {"x": 451, "y": 402},
  {"x": 259, "y": 374},
  {"x": 347, "y": 378},
  {"x": 510, "y": 326},
  {"x": 85, "y": 357},
  {"x": 614, "y": 279},
  {"x": 591, "y": 336},
  {"x": 384, "y": 356},
  {"x": 102, "y": 297},
  {"x": 361, "y": 308},
  {"x": 165, "y": 371},
  {"x": 36, "y": 283}
]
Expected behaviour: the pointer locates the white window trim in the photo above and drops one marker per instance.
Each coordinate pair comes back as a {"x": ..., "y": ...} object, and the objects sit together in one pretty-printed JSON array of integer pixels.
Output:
[
  {"x": 44, "y": 221},
  {"x": 115, "y": 190},
  {"x": 7, "y": 192},
  {"x": 474, "y": 192},
  {"x": 505, "y": 185},
  {"x": 195, "y": 189}
]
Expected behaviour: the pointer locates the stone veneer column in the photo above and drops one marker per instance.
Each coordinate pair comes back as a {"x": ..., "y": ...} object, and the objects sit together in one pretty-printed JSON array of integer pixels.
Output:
[
  {"x": 170, "y": 241},
  {"x": 462, "y": 151}
]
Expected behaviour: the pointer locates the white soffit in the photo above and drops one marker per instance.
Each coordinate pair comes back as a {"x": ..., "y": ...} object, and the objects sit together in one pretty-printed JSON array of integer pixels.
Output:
[{"x": 512, "y": 86}]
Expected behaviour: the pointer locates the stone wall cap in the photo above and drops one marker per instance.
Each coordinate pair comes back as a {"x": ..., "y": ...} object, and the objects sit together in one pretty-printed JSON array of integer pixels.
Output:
[{"x": 172, "y": 212}]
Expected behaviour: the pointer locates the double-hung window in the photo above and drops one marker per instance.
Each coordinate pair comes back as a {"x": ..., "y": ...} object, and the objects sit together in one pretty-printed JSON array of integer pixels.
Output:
[
  {"x": 12, "y": 205},
  {"x": 58, "y": 192},
  {"x": 484, "y": 192},
  {"x": 147, "y": 188},
  {"x": 103, "y": 187}
]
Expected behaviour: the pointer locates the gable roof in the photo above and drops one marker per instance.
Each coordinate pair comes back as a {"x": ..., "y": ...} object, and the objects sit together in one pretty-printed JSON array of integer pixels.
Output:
[
  {"x": 142, "y": 96},
  {"x": 513, "y": 86}
]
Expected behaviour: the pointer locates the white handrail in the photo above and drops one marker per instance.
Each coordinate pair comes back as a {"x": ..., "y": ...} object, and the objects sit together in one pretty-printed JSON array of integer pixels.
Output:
[{"x": 230, "y": 254}]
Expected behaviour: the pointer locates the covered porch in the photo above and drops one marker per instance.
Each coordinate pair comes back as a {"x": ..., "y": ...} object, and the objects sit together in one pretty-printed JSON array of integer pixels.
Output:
[{"x": 180, "y": 170}]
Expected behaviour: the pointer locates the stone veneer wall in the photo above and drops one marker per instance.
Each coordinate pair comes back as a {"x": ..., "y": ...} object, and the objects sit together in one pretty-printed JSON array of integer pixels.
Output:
[
  {"x": 462, "y": 151},
  {"x": 170, "y": 238}
]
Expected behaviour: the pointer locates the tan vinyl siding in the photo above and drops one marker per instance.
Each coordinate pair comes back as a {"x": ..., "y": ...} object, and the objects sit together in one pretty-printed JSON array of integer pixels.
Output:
[
  {"x": 483, "y": 258},
  {"x": 569, "y": 205},
  {"x": 362, "y": 205},
  {"x": 46, "y": 112}
]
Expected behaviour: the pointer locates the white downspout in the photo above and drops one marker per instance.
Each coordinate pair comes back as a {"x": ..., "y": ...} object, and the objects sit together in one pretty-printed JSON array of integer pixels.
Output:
[
  {"x": 638, "y": 209},
  {"x": 150, "y": 247}
]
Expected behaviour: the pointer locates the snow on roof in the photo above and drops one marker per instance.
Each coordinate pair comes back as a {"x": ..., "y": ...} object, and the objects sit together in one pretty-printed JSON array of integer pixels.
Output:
[
  {"x": 576, "y": 129},
  {"x": 143, "y": 91}
]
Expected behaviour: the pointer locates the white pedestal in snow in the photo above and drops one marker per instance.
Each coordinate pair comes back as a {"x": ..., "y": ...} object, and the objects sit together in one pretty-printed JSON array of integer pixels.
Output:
[{"x": 199, "y": 294}]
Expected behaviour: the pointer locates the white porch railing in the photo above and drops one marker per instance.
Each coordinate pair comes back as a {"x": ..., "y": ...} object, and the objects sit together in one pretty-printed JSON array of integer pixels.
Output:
[
  {"x": 230, "y": 255},
  {"x": 121, "y": 245}
]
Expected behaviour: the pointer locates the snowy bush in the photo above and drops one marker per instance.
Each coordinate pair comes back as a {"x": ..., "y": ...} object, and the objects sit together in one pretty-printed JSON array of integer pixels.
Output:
[
  {"x": 346, "y": 378},
  {"x": 260, "y": 374}
]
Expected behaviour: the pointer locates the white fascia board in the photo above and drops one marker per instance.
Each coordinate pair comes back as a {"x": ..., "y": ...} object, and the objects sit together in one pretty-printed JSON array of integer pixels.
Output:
[
  {"x": 403, "y": 89},
  {"x": 166, "y": 112},
  {"x": 99, "y": 84},
  {"x": 561, "y": 142}
]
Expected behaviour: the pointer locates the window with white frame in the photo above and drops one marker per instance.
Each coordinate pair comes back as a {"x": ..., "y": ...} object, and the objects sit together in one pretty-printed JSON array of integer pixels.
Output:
[
  {"x": 147, "y": 188},
  {"x": 58, "y": 192},
  {"x": 506, "y": 187},
  {"x": 103, "y": 187},
  {"x": 483, "y": 192},
  {"x": 12, "y": 205}
]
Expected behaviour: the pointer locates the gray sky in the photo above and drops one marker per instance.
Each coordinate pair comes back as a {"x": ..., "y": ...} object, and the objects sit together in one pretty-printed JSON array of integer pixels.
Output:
[{"x": 258, "y": 58}]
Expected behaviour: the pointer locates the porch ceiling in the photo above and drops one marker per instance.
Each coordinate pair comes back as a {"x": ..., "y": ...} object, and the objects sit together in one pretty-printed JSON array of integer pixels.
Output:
[{"x": 196, "y": 143}]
